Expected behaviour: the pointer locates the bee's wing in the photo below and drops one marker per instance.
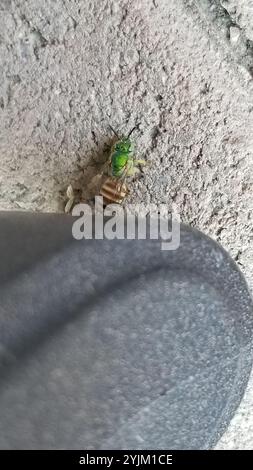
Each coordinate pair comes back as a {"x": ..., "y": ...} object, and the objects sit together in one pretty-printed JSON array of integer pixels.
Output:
[
  {"x": 106, "y": 168},
  {"x": 95, "y": 183}
]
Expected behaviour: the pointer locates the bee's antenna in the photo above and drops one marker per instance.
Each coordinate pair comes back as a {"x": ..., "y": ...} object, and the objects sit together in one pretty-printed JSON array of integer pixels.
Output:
[
  {"x": 135, "y": 127},
  {"x": 117, "y": 135}
]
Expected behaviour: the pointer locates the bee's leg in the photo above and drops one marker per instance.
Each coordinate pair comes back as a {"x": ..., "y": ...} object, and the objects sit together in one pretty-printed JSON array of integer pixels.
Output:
[
  {"x": 136, "y": 170},
  {"x": 120, "y": 182},
  {"x": 133, "y": 171},
  {"x": 140, "y": 162}
]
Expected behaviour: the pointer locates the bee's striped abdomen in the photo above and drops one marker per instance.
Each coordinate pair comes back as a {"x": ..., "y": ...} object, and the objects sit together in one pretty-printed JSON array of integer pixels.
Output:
[{"x": 113, "y": 191}]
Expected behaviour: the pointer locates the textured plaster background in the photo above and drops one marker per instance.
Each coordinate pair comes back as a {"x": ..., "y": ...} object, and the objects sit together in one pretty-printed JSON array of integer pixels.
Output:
[{"x": 183, "y": 69}]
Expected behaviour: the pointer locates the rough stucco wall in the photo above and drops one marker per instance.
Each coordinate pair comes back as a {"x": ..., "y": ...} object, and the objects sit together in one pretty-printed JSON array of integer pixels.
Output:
[
  {"x": 69, "y": 68},
  {"x": 241, "y": 12}
]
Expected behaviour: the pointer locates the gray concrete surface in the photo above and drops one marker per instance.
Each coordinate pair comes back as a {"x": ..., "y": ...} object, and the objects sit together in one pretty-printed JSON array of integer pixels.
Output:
[{"x": 183, "y": 69}]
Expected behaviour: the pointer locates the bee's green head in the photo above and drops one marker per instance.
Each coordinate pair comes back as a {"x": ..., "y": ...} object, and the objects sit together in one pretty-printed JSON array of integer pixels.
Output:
[{"x": 124, "y": 145}]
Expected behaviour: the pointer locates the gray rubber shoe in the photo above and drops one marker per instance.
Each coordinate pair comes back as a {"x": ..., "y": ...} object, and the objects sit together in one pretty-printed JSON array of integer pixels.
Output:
[{"x": 117, "y": 344}]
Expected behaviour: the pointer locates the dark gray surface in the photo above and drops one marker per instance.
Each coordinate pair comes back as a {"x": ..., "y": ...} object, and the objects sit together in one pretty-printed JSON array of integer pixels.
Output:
[{"x": 117, "y": 344}]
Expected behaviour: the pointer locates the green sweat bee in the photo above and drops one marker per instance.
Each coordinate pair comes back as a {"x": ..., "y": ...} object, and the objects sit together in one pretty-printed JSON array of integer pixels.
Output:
[{"x": 121, "y": 164}]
